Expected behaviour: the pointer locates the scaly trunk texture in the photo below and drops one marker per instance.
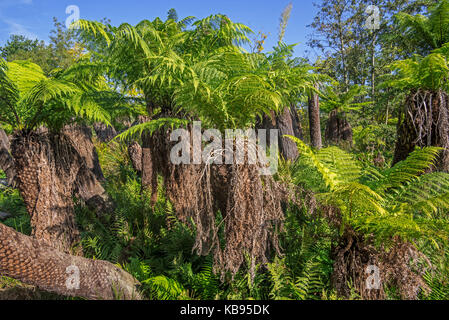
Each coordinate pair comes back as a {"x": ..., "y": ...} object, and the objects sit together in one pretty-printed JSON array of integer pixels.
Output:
[
  {"x": 338, "y": 129},
  {"x": 425, "y": 123},
  {"x": 314, "y": 121},
  {"x": 81, "y": 136},
  {"x": 33, "y": 262},
  {"x": 288, "y": 124},
  {"x": 47, "y": 167},
  {"x": 149, "y": 172},
  {"x": 6, "y": 160}
]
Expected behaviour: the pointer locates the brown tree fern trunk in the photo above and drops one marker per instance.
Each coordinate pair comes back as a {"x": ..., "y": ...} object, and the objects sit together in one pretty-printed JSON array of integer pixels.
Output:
[
  {"x": 425, "y": 124},
  {"x": 288, "y": 124},
  {"x": 47, "y": 167},
  {"x": 88, "y": 182},
  {"x": 338, "y": 129},
  {"x": 33, "y": 262},
  {"x": 149, "y": 172},
  {"x": 135, "y": 155},
  {"x": 81, "y": 137},
  {"x": 314, "y": 121},
  {"x": 104, "y": 133},
  {"x": 358, "y": 261}
]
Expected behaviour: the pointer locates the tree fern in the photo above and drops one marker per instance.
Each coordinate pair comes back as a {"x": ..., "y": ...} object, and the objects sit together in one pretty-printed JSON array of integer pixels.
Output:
[
  {"x": 398, "y": 202},
  {"x": 30, "y": 99}
]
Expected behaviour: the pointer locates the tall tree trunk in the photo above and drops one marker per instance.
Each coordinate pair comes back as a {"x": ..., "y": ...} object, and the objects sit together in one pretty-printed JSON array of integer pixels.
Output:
[
  {"x": 47, "y": 167},
  {"x": 35, "y": 263},
  {"x": 297, "y": 126},
  {"x": 425, "y": 123},
  {"x": 314, "y": 121},
  {"x": 81, "y": 137},
  {"x": 288, "y": 124},
  {"x": 6, "y": 160},
  {"x": 149, "y": 172}
]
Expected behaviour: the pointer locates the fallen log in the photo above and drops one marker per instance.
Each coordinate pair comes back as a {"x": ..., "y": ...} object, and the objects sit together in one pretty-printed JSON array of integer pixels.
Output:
[{"x": 34, "y": 263}]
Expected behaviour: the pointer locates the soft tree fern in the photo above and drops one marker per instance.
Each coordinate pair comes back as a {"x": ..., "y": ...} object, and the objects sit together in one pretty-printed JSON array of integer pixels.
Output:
[
  {"x": 29, "y": 99},
  {"x": 401, "y": 201}
]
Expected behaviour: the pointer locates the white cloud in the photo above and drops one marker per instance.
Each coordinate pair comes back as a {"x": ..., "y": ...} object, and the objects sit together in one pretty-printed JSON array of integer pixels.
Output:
[
  {"x": 13, "y": 27},
  {"x": 19, "y": 29}
]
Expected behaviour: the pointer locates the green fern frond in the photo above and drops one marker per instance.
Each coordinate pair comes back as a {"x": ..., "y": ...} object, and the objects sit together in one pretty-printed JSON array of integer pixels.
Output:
[
  {"x": 164, "y": 288},
  {"x": 405, "y": 171},
  {"x": 151, "y": 127}
]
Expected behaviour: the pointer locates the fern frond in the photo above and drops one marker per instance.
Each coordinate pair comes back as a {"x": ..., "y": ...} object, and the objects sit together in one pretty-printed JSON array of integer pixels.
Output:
[
  {"x": 151, "y": 127},
  {"x": 164, "y": 288},
  {"x": 405, "y": 171}
]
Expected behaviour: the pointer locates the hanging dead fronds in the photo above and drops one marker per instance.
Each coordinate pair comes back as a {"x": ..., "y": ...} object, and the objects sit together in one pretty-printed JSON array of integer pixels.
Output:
[{"x": 425, "y": 123}]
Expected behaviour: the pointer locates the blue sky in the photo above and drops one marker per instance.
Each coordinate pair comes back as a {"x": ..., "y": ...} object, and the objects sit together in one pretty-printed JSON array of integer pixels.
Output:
[{"x": 33, "y": 18}]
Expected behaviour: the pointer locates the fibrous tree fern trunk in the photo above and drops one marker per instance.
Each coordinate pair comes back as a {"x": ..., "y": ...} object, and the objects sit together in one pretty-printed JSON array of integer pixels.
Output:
[
  {"x": 338, "y": 129},
  {"x": 250, "y": 204},
  {"x": 149, "y": 162},
  {"x": 81, "y": 136},
  {"x": 314, "y": 121},
  {"x": 135, "y": 155},
  {"x": 425, "y": 123},
  {"x": 88, "y": 186},
  {"x": 47, "y": 167},
  {"x": 34, "y": 262},
  {"x": 288, "y": 123},
  {"x": 362, "y": 268}
]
